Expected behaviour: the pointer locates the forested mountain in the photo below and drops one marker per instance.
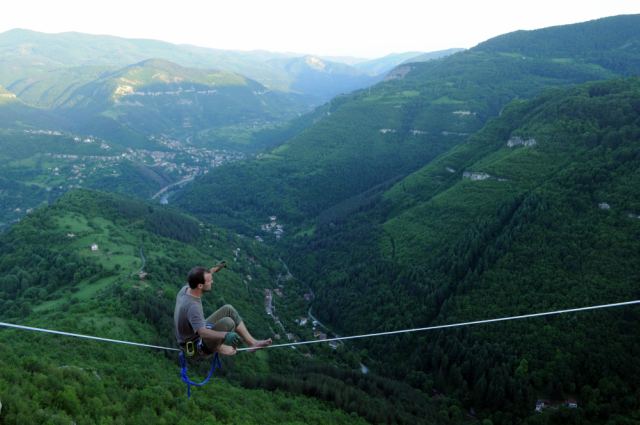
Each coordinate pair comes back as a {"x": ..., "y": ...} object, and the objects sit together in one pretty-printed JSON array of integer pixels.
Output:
[
  {"x": 399, "y": 125},
  {"x": 151, "y": 97},
  {"x": 50, "y": 277},
  {"x": 156, "y": 96}
]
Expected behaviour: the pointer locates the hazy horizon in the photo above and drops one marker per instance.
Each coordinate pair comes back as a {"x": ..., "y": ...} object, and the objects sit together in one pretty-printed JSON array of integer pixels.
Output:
[{"x": 356, "y": 29}]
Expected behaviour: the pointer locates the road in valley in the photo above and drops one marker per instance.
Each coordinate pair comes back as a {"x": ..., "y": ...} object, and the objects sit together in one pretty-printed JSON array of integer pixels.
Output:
[
  {"x": 164, "y": 189},
  {"x": 144, "y": 260}
]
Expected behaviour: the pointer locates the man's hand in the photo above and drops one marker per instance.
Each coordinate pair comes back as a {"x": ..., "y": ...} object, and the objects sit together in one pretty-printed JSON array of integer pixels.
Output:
[
  {"x": 221, "y": 265},
  {"x": 233, "y": 339}
]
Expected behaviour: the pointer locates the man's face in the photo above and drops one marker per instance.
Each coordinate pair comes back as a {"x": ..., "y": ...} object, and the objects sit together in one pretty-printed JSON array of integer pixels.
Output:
[{"x": 207, "y": 282}]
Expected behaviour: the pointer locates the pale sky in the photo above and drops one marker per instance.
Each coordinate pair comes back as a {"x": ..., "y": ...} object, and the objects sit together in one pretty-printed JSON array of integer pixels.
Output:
[{"x": 358, "y": 28}]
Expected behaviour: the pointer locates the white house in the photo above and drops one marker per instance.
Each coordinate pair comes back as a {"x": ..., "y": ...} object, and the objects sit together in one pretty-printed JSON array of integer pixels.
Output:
[
  {"x": 273, "y": 217},
  {"x": 94, "y": 247}
]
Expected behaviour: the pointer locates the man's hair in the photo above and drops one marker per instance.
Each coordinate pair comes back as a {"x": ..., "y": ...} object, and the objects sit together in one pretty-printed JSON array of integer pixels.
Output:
[{"x": 196, "y": 276}]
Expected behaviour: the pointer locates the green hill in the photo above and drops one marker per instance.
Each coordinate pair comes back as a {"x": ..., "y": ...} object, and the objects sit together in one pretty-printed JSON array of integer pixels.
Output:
[
  {"x": 49, "y": 279},
  {"x": 48, "y": 90},
  {"x": 148, "y": 98},
  {"x": 157, "y": 96}
]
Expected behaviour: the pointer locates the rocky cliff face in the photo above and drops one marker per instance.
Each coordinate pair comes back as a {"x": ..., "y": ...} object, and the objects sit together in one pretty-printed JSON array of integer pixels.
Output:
[
  {"x": 518, "y": 141},
  {"x": 397, "y": 73}
]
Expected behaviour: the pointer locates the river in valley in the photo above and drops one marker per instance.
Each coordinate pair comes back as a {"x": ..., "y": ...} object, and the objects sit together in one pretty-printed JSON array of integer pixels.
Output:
[{"x": 165, "y": 197}]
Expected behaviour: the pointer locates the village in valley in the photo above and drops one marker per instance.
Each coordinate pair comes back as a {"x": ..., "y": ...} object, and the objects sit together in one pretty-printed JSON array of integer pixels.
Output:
[
  {"x": 272, "y": 227},
  {"x": 60, "y": 172},
  {"x": 183, "y": 159}
]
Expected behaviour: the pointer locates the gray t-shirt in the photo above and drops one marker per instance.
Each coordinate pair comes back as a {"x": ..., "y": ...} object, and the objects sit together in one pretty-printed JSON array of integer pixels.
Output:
[{"x": 188, "y": 317}]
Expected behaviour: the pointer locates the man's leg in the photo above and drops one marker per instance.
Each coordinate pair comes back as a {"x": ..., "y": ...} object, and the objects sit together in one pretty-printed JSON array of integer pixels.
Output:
[
  {"x": 223, "y": 325},
  {"x": 242, "y": 330},
  {"x": 225, "y": 319},
  {"x": 230, "y": 314},
  {"x": 225, "y": 311}
]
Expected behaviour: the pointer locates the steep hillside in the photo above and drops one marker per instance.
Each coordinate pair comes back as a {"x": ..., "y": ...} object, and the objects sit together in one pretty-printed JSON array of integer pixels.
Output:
[
  {"x": 15, "y": 113},
  {"x": 536, "y": 212},
  {"x": 51, "y": 278},
  {"x": 372, "y": 137},
  {"x": 51, "y": 89}
]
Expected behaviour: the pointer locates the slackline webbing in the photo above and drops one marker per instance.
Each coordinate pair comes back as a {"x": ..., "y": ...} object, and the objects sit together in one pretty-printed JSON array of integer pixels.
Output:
[
  {"x": 452, "y": 325},
  {"x": 10, "y": 325}
]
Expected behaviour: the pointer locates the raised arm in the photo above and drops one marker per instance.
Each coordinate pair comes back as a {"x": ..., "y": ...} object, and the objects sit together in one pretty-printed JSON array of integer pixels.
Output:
[{"x": 221, "y": 265}]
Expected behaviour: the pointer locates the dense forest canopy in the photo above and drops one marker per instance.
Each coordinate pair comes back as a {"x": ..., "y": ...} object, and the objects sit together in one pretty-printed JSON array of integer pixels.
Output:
[{"x": 544, "y": 226}]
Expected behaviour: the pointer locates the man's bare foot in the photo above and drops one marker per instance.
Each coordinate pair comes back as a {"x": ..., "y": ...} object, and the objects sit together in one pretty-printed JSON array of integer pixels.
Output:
[
  {"x": 258, "y": 345},
  {"x": 225, "y": 350}
]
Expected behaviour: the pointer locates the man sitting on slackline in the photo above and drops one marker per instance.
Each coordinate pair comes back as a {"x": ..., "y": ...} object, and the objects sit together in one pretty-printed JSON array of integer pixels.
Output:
[{"x": 200, "y": 338}]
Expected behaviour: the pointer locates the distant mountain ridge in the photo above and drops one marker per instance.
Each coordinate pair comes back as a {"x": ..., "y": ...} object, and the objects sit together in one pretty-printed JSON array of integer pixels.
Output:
[
  {"x": 26, "y": 54},
  {"x": 383, "y": 64},
  {"x": 323, "y": 75}
]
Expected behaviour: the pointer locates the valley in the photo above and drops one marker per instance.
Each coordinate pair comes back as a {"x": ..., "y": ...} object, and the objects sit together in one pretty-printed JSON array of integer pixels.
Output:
[{"x": 348, "y": 196}]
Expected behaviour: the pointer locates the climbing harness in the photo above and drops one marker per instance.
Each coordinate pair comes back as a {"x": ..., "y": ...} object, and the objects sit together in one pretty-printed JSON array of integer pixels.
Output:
[
  {"x": 216, "y": 359},
  {"x": 185, "y": 379}
]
